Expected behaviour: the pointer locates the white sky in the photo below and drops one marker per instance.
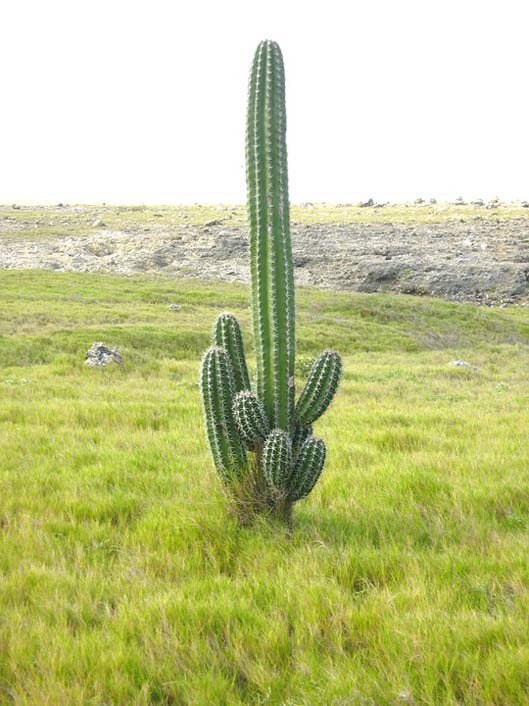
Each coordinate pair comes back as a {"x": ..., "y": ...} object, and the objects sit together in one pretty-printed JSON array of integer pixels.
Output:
[{"x": 144, "y": 102}]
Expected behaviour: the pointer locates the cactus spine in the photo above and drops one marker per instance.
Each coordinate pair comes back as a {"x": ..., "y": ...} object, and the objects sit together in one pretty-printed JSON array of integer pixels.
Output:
[{"x": 261, "y": 443}]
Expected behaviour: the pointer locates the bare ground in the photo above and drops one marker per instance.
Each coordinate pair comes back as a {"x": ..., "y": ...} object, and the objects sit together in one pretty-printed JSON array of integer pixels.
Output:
[{"x": 482, "y": 259}]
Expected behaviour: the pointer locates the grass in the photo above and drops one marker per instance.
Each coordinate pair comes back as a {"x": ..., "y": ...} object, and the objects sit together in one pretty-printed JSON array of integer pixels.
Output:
[
  {"x": 122, "y": 579},
  {"x": 45, "y": 222}
]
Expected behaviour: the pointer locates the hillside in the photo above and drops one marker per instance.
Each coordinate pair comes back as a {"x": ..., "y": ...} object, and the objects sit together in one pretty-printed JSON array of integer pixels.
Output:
[{"x": 475, "y": 253}]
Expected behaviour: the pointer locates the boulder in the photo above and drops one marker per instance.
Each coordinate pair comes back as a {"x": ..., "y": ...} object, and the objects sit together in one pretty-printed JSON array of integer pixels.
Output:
[{"x": 99, "y": 355}]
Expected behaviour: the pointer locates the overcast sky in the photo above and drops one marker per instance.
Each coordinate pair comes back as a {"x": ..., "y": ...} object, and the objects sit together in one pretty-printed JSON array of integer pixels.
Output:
[{"x": 144, "y": 102}]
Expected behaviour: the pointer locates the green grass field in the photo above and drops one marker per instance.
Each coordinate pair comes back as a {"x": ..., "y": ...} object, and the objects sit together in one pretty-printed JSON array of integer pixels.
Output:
[{"x": 123, "y": 582}]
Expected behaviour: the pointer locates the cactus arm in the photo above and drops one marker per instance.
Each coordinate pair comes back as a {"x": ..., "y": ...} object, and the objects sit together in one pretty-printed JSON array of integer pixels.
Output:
[
  {"x": 307, "y": 469},
  {"x": 227, "y": 334},
  {"x": 301, "y": 434},
  {"x": 320, "y": 387},
  {"x": 250, "y": 418},
  {"x": 272, "y": 280},
  {"x": 216, "y": 383},
  {"x": 276, "y": 460}
]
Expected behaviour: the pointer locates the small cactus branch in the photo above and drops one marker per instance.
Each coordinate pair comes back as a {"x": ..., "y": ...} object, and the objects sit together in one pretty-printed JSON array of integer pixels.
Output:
[
  {"x": 250, "y": 418},
  {"x": 216, "y": 383},
  {"x": 320, "y": 387},
  {"x": 227, "y": 334},
  {"x": 307, "y": 469},
  {"x": 301, "y": 434},
  {"x": 277, "y": 460},
  {"x": 271, "y": 266}
]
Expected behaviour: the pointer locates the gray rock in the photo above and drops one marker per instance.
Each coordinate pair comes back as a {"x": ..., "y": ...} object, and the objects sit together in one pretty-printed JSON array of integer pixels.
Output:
[
  {"x": 463, "y": 364},
  {"x": 99, "y": 355}
]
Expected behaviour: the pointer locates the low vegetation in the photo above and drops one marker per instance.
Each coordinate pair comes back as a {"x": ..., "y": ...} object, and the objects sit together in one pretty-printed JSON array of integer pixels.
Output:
[{"x": 122, "y": 581}]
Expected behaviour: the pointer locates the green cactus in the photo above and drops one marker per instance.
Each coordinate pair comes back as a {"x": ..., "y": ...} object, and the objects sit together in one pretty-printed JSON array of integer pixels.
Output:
[
  {"x": 274, "y": 468},
  {"x": 227, "y": 334},
  {"x": 250, "y": 418},
  {"x": 308, "y": 468},
  {"x": 320, "y": 387},
  {"x": 272, "y": 272},
  {"x": 216, "y": 381},
  {"x": 301, "y": 434},
  {"x": 276, "y": 460}
]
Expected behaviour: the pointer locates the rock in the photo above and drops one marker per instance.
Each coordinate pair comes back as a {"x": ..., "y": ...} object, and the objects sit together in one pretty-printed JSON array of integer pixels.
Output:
[
  {"x": 99, "y": 355},
  {"x": 98, "y": 224},
  {"x": 213, "y": 223},
  {"x": 175, "y": 307},
  {"x": 463, "y": 364}
]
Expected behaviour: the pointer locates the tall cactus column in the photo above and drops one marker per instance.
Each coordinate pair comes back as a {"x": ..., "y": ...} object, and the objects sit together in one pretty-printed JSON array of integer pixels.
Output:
[{"x": 272, "y": 279}]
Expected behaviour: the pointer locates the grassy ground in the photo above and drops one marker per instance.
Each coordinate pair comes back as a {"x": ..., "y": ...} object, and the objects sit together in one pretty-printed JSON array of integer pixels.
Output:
[
  {"x": 34, "y": 222},
  {"x": 122, "y": 580}
]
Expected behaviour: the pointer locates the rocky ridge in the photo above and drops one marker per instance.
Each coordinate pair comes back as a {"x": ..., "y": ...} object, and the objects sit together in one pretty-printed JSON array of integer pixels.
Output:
[{"x": 482, "y": 261}]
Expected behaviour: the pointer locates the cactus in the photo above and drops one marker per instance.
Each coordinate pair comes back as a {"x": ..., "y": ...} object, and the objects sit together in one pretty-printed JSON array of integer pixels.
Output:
[
  {"x": 280, "y": 466},
  {"x": 277, "y": 460},
  {"x": 216, "y": 380},
  {"x": 301, "y": 434},
  {"x": 320, "y": 387},
  {"x": 272, "y": 276},
  {"x": 227, "y": 334},
  {"x": 308, "y": 468},
  {"x": 250, "y": 418}
]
